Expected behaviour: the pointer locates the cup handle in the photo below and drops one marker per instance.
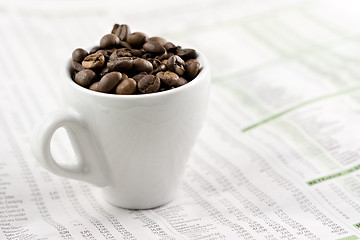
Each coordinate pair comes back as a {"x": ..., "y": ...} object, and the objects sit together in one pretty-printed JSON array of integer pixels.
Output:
[{"x": 89, "y": 166}]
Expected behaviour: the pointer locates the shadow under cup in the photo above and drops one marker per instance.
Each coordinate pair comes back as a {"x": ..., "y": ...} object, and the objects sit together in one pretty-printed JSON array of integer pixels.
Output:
[{"x": 135, "y": 147}]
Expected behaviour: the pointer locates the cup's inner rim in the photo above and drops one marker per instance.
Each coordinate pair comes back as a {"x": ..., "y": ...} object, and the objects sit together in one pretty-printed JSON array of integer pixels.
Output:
[{"x": 204, "y": 67}]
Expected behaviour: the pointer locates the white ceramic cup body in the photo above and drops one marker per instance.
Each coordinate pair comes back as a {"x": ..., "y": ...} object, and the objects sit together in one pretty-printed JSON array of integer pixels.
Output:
[{"x": 135, "y": 147}]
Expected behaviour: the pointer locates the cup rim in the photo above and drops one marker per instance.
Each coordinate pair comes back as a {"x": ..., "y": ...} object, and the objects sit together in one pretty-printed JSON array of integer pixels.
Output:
[{"x": 204, "y": 66}]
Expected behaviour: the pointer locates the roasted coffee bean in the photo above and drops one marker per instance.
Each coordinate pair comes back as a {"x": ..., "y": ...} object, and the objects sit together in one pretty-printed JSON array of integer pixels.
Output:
[
  {"x": 181, "y": 81},
  {"x": 154, "y": 47},
  {"x": 110, "y": 51},
  {"x": 148, "y": 56},
  {"x": 122, "y": 52},
  {"x": 137, "y": 39},
  {"x": 153, "y": 64},
  {"x": 192, "y": 68},
  {"x": 149, "y": 84},
  {"x": 186, "y": 53},
  {"x": 121, "y": 64},
  {"x": 93, "y": 61},
  {"x": 160, "y": 40},
  {"x": 109, "y": 41},
  {"x": 116, "y": 29},
  {"x": 166, "y": 55},
  {"x": 123, "y": 76},
  {"x": 109, "y": 81},
  {"x": 124, "y": 44},
  {"x": 103, "y": 52},
  {"x": 156, "y": 63},
  {"x": 85, "y": 77},
  {"x": 169, "y": 55},
  {"x": 79, "y": 54},
  {"x": 142, "y": 65},
  {"x": 126, "y": 86},
  {"x": 121, "y": 31},
  {"x": 137, "y": 52},
  {"x": 76, "y": 67},
  {"x": 139, "y": 76},
  {"x": 168, "y": 78},
  {"x": 176, "y": 64},
  {"x": 170, "y": 47},
  {"x": 104, "y": 71},
  {"x": 94, "y": 86},
  {"x": 161, "y": 68},
  {"x": 162, "y": 57},
  {"x": 124, "y": 32},
  {"x": 94, "y": 49},
  {"x": 71, "y": 73}
]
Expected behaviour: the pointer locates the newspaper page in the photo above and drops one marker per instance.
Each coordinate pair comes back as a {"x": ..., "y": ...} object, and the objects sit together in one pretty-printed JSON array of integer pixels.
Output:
[{"x": 278, "y": 157}]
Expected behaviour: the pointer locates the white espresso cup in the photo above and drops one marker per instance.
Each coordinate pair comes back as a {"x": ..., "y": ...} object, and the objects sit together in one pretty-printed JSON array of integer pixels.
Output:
[{"x": 134, "y": 147}]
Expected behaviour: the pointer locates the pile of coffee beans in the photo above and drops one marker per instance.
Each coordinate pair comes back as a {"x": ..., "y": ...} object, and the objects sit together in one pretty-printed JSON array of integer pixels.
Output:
[{"x": 133, "y": 63}]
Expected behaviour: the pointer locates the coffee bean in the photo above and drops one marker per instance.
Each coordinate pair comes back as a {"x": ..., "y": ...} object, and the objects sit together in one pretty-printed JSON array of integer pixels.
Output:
[
  {"x": 76, "y": 67},
  {"x": 168, "y": 78},
  {"x": 142, "y": 65},
  {"x": 85, "y": 77},
  {"x": 121, "y": 31},
  {"x": 176, "y": 64},
  {"x": 124, "y": 32},
  {"x": 103, "y": 52},
  {"x": 94, "y": 86},
  {"x": 137, "y": 39},
  {"x": 124, "y": 44},
  {"x": 153, "y": 64},
  {"x": 121, "y": 64},
  {"x": 108, "y": 82},
  {"x": 122, "y": 52},
  {"x": 181, "y": 81},
  {"x": 161, "y": 68},
  {"x": 126, "y": 87},
  {"x": 139, "y": 76},
  {"x": 109, "y": 41},
  {"x": 186, "y": 53},
  {"x": 170, "y": 47},
  {"x": 94, "y": 49},
  {"x": 148, "y": 55},
  {"x": 110, "y": 51},
  {"x": 156, "y": 63},
  {"x": 104, "y": 71},
  {"x": 149, "y": 84},
  {"x": 93, "y": 61},
  {"x": 79, "y": 54},
  {"x": 123, "y": 76},
  {"x": 166, "y": 55},
  {"x": 154, "y": 47},
  {"x": 137, "y": 52},
  {"x": 160, "y": 40},
  {"x": 116, "y": 29},
  {"x": 192, "y": 68}
]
